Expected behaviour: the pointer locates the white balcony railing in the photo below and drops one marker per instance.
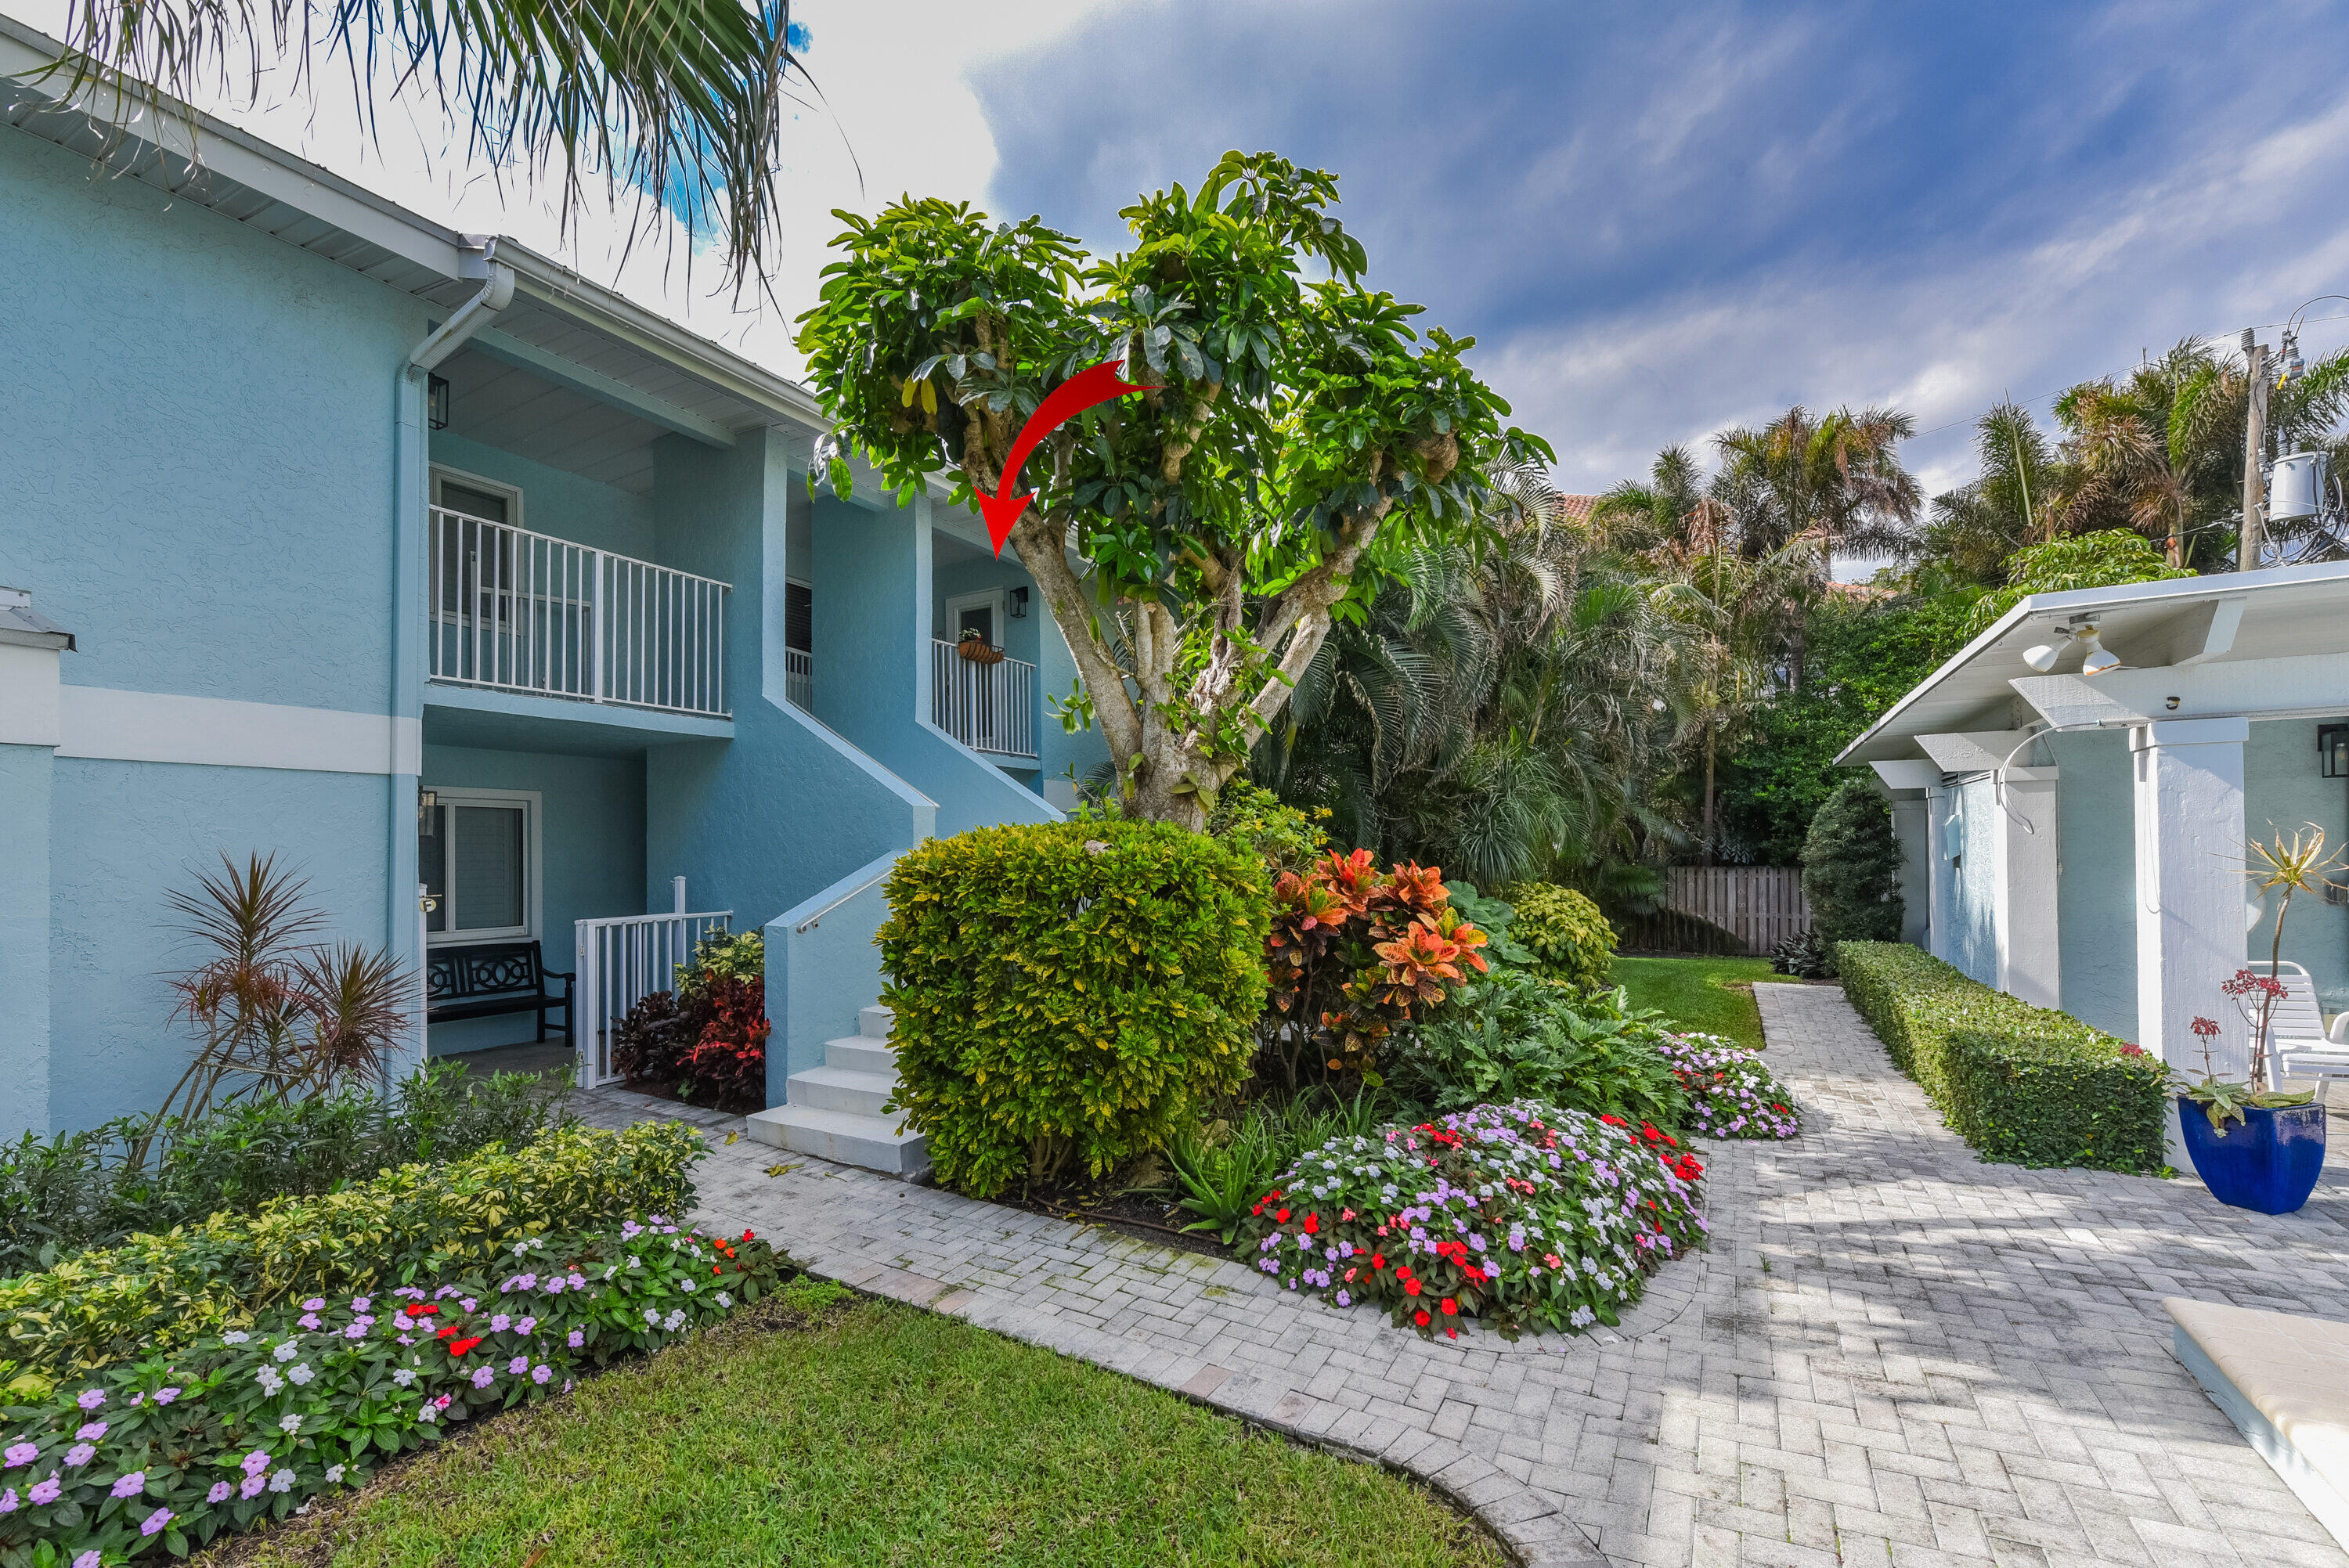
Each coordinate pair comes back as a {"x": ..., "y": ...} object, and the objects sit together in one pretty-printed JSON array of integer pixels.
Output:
[
  {"x": 799, "y": 679},
  {"x": 619, "y": 963},
  {"x": 526, "y": 611},
  {"x": 987, "y": 707}
]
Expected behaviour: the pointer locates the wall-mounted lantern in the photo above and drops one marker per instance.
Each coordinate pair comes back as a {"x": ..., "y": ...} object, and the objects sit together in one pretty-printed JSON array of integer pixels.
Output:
[
  {"x": 2333, "y": 750},
  {"x": 1020, "y": 603},
  {"x": 425, "y": 802},
  {"x": 436, "y": 402}
]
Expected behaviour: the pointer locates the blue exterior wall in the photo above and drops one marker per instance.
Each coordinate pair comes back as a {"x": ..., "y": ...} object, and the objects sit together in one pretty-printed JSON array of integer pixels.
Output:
[
  {"x": 2284, "y": 794},
  {"x": 200, "y": 468},
  {"x": 198, "y": 456},
  {"x": 592, "y": 837},
  {"x": 873, "y": 611},
  {"x": 124, "y": 836},
  {"x": 786, "y": 808},
  {"x": 1972, "y": 941},
  {"x": 2096, "y": 881},
  {"x": 554, "y": 500},
  {"x": 26, "y": 775}
]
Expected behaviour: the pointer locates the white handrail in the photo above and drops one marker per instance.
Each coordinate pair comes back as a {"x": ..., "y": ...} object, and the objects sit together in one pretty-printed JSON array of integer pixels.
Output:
[
  {"x": 528, "y": 612},
  {"x": 987, "y": 707},
  {"x": 621, "y": 960}
]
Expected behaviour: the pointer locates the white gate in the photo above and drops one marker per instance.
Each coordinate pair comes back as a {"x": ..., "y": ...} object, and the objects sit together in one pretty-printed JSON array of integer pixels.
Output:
[{"x": 622, "y": 961}]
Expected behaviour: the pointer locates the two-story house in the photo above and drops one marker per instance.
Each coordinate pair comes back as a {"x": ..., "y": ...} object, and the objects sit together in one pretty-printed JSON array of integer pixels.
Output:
[{"x": 490, "y": 601}]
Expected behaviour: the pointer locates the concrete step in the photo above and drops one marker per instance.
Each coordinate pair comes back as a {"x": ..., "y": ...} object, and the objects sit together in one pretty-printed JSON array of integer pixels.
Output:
[
  {"x": 844, "y": 1088},
  {"x": 872, "y": 1142},
  {"x": 873, "y": 1023},
  {"x": 861, "y": 1053}
]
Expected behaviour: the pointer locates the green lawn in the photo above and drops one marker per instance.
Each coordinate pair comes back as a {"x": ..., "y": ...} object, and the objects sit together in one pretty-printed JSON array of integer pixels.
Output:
[
  {"x": 1694, "y": 992},
  {"x": 824, "y": 1429}
]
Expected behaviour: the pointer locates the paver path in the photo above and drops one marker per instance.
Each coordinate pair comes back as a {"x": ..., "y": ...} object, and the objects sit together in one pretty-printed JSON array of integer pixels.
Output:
[{"x": 1892, "y": 1354}]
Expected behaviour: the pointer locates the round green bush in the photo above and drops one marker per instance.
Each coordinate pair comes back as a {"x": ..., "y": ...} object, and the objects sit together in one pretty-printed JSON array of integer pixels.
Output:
[
  {"x": 1068, "y": 994},
  {"x": 1851, "y": 866},
  {"x": 1569, "y": 939}
]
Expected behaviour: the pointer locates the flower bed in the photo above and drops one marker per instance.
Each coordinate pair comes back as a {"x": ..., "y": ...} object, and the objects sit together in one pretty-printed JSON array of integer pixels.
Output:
[
  {"x": 417, "y": 1221},
  {"x": 166, "y": 1452},
  {"x": 1519, "y": 1215},
  {"x": 1731, "y": 1092}
]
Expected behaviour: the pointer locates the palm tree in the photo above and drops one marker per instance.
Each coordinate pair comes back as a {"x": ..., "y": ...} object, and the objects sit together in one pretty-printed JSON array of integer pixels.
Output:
[
  {"x": 2160, "y": 452},
  {"x": 2017, "y": 499},
  {"x": 682, "y": 101},
  {"x": 1836, "y": 480}
]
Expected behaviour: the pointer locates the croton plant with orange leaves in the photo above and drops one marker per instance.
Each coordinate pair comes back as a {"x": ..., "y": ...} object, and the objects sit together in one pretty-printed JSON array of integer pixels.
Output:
[{"x": 1352, "y": 951}]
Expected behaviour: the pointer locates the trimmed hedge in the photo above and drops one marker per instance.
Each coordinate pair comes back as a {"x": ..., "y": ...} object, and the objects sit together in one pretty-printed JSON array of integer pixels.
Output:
[
  {"x": 162, "y": 1292},
  {"x": 1068, "y": 991},
  {"x": 1564, "y": 931},
  {"x": 2024, "y": 1085}
]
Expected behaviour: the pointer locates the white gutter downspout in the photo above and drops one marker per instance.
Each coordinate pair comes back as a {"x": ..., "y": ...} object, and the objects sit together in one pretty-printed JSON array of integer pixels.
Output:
[{"x": 411, "y": 493}]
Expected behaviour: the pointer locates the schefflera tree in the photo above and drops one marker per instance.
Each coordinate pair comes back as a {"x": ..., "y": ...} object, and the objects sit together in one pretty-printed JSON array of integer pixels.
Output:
[{"x": 1194, "y": 540}]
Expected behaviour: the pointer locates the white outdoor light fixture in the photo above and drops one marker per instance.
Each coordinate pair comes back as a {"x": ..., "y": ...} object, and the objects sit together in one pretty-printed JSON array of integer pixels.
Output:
[
  {"x": 2042, "y": 657},
  {"x": 2099, "y": 659}
]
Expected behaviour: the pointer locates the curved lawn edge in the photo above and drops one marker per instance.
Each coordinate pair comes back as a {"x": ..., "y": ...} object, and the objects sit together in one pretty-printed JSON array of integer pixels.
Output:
[{"x": 1531, "y": 1529}]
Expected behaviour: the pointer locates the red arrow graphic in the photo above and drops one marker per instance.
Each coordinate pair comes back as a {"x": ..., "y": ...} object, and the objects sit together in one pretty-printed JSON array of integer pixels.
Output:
[{"x": 1063, "y": 403}]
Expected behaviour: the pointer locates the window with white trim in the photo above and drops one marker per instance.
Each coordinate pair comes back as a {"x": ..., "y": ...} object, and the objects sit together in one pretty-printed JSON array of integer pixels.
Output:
[{"x": 477, "y": 856}]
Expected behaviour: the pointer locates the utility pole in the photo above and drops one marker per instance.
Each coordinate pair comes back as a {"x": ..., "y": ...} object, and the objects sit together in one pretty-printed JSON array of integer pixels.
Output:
[{"x": 2255, "y": 442}]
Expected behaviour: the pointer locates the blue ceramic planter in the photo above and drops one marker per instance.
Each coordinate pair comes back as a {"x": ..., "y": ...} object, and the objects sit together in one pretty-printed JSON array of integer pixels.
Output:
[{"x": 2269, "y": 1162}]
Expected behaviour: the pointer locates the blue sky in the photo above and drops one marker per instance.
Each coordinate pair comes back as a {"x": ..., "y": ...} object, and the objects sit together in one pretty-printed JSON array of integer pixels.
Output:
[
  {"x": 1661, "y": 221},
  {"x": 1658, "y": 221}
]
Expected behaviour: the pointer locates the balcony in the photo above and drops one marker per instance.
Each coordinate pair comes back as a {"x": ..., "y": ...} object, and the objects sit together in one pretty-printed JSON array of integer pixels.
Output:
[
  {"x": 521, "y": 612},
  {"x": 990, "y": 708}
]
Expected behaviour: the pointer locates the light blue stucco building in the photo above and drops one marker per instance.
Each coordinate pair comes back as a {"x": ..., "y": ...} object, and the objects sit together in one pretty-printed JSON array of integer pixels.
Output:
[
  {"x": 454, "y": 580},
  {"x": 2078, "y": 838}
]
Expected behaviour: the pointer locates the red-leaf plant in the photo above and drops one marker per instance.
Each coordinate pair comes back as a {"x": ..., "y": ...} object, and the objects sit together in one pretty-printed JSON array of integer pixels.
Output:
[{"x": 1352, "y": 951}]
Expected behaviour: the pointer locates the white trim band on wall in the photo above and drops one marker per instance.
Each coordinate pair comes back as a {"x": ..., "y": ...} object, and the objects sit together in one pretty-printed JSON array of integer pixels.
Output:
[{"x": 215, "y": 732}]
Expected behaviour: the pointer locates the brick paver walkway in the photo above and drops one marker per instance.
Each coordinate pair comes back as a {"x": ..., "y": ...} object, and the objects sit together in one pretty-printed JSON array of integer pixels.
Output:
[{"x": 1892, "y": 1354}]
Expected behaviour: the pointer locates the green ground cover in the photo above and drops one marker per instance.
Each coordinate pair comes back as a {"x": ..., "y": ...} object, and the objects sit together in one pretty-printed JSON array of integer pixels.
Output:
[
  {"x": 1695, "y": 993},
  {"x": 823, "y": 1428}
]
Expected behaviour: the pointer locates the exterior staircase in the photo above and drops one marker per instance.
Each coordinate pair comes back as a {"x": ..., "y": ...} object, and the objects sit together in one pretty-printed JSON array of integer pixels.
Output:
[{"x": 835, "y": 1110}]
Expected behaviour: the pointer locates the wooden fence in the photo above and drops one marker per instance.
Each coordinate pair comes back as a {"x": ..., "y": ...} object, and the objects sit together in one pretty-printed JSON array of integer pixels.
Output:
[{"x": 1723, "y": 910}]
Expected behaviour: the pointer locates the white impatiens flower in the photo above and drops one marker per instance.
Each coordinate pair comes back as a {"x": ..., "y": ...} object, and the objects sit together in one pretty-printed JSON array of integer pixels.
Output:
[
  {"x": 281, "y": 1482},
  {"x": 299, "y": 1372},
  {"x": 403, "y": 1376},
  {"x": 236, "y": 1336},
  {"x": 652, "y": 1316},
  {"x": 333, "y": 1475},
  {"x": 290, "y": 1350},
  {"x": 724, "y": 1299},
  {"x": 688, "y": 1285},
  {"x": 674, "y": 1321},
  {"x": 268, "y": 1378},
  {"x": 289, "y": 1423}
]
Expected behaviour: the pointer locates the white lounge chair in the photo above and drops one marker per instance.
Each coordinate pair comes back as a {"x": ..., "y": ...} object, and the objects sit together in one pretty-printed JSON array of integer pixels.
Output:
[{"x": 2304, "y": 1048}]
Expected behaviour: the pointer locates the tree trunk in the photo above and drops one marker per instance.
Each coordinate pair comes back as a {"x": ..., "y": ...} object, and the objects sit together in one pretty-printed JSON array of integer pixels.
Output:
[{"x": 1709, "y": 738}]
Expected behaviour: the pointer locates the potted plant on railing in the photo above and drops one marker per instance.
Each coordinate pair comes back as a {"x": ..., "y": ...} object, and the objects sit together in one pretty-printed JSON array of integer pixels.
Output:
[
  {"x": 2255, "y": 1144},
  {"x": 974, "y": 647}
]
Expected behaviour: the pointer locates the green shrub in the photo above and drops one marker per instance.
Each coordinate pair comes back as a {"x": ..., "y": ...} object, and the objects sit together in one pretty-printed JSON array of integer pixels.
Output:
[
  {"x": 1514, "y": 1036},
  {"x": 2024, "y": 1085},
  {"x": 1068, "y": 994},
  {"x": 1564, "y": 931},
  {"x": 1287, "y": 839},
  {"x": 81, "y": 1190},
  {"x": 160, "y": 1292},
  {"x": 1851, "y": 866}
]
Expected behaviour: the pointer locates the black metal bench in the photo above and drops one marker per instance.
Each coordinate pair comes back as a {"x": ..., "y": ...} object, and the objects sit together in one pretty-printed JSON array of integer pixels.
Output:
[{"x": 486, "y": 979}]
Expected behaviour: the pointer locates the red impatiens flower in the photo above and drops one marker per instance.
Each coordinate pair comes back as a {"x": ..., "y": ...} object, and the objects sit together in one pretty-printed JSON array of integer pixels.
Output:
[
  {"x": 1451, "y": 1307},
  {"x": 1420, "y": 1319},
  {"x": 418, "y": 1309},
  {"x": 459, "y": 1347},
  {"x": 1378, "y": 1260},
  {"x": 1611, "y": 1119},
  {"x": 1411, "y": 1285},
  {"x": 1312, "y": 1223},
  {"x": 451, "y": 1332},
  {"x": 1282, "y": 1216}
]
